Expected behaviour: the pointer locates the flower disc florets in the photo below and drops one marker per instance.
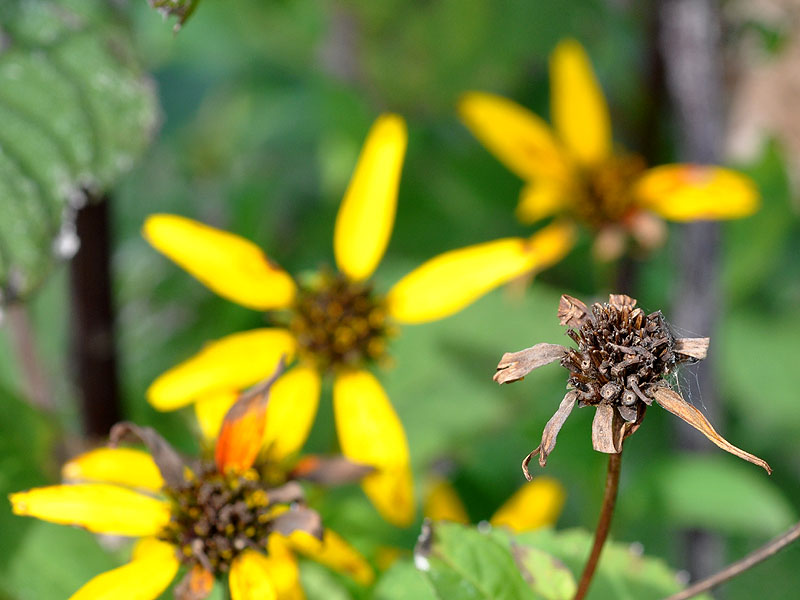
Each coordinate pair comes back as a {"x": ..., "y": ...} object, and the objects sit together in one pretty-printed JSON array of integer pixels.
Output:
[
  {"x": 215, "y": 517},
  {"x": 607, "y": 196},
  {"x": 622, "y": 352},
  {"x": 338, "y": 322}
]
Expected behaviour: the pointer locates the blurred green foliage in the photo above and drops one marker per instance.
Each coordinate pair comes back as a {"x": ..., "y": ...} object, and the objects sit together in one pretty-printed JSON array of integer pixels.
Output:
[{"x": 265, "y": 106}]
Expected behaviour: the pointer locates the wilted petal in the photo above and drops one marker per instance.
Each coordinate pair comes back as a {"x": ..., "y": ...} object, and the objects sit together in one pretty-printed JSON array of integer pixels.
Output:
[
  {"x": 619, "y": 301},
  {"x": 692, "y": 348},
  {"x": 366, "y": 216},
  {"x": 607, "y": 430},
  {"x": 144, "y": 578},
  {"x": 572, "y": 312},
  {"x": 196, "y": 584},
  {"x": 672, "y": 401},
  {"x": 170, "y": 464},
  {"x": 330, "y": 470},
  {"x": 123, "y": 466},
  {"x": 515, "y": 365},
  {"x": 537, "y": 503},
  {"x": 298, "y": 519},
  {"x": 550, "y": 433}
]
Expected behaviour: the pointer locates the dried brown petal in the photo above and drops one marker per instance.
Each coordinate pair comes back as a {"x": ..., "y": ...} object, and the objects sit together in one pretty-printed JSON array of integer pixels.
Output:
[
  {"x": 620, "y": 300},
  {"x": 299, "y": 519},
  {"x": 196, "y": 585},
  {"x": 695, "y": 348},
  {"x": 515, "y": 365},
  {"x": 330, "y": 470},
  {"x": 672, "y": 401},
  {"x": 550, "y": 433},
  {"x": 607, "y": 429},
  {"x": 571, "y": 311},
  {"x": 286, "y": 494},
  {"x": 169, "y": 462}
]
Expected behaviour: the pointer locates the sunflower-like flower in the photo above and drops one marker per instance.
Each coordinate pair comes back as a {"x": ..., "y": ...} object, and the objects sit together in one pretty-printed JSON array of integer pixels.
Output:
[
  {"x": 619, "y": 366},
  {"x": 334, "y": 323},
  {"x": 574, "y": 170},
  {"x": 213, "y": 517}
]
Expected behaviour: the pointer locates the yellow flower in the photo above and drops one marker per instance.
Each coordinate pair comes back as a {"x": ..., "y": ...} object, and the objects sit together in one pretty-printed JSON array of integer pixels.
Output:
[
  {"x": 536, "y": 504},
  {"x": 215, "y": 518},
  {"x": 334, "y": 323},
  {"x": 574, "y": 171}
]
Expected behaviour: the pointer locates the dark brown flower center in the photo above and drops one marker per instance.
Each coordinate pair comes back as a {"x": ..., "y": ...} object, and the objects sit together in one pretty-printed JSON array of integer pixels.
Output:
[
  {"x": 622, "y": 352},
  {"x": 606, "y": 196},
  {"x": 215, "y": 516},
  {"x": 338, "y": 322}
]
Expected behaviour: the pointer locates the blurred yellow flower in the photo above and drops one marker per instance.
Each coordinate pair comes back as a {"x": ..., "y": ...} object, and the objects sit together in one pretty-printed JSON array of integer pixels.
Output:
[
  {"x": 535, "y": 504},
  {"x": 574, "y": 171},
  {"x": 336, "y": 323},
  {"x": 215, "y": 518}
]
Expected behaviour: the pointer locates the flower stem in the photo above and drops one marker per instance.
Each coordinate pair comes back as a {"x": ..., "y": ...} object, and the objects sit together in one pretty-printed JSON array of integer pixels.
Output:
[
  {"x": 603, "y": 525},
  {"x": 740, "y": 566}
]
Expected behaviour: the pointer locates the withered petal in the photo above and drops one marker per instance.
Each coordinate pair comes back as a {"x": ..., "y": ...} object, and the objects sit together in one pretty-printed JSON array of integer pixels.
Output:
[
  {"x": 572, "y": 312},
  {"x": 287, "y": 493},
  {"x": 167, "y": 459},
  {"x": 692, "y": 348},
  {"x": 515, "y": 365},
  {"x": 330, "y": 470},
  {"x": 196, "y": 584},
  {"x": 607, "y": 429},
  {"x": 620, "y": 300},
  {"x": 672, "y": 401},
  {"x": 550, "y": 433},
  {"x": 302, "y": 519}
]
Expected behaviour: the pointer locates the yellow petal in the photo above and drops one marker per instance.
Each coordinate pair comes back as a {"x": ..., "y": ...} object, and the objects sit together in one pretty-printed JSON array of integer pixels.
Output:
[
  {"x": 540, "y": 199},
  {"x": 536, "y": 504},
  {"x": 227, "y": 264},
  {"x": 335, "y": 553},
  {"x": 694, "y": 192},
  {"x": 144, "y": 578},
  {"x": 578, "y": 107},
  {"x": 453, "y": 280},
  {"x": 517, "y": 137},
  {"x": 250, "y": 577},
  {"x": 233, "y": 362},
  {"x": 371, "y": 433},
  {"x": 366, "y": 216},
  {"x": 98, "y": 507},
  {"x": 211, "y": 410},
  {"x": 123, "y": 466},
  {"x": 282, "y": 568},
  {"x": 443, "y": 504},
  {"x": 291, "y": 410}
]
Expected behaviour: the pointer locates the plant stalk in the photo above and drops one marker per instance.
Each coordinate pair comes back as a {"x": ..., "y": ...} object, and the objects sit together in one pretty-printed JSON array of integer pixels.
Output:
[
  {"x": 740, "y": 566},
  {"x": 35, "y": 381},
  {"x": 603, "y": 525}
]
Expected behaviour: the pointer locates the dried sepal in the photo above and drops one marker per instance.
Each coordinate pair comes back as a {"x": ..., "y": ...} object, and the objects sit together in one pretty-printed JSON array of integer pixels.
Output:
[
  {"x": 172, "y": 467},
  {"x": 298, "y": 519},
  {"x": 515, "y": 365},
  {"x": 196, "y": 584},
  {"x": 619, "y": 301},
  {"x": 550, "y": 433},
  {"x": 692, "y": 348},
  {"x": 571, "y": 311},
  {"x": 330, "y": 470},
  {"x": 672, "y": 401},
  {"x": 607, "y": 430},
  {"x": 242, "y": 431}
]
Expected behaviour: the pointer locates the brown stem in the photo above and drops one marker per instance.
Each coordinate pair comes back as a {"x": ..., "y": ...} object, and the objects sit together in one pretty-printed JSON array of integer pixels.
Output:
[
  {"x": 603, "y": 525},
  {"x": 740, "y": 566},
  {"x": 36, "y": 385}
]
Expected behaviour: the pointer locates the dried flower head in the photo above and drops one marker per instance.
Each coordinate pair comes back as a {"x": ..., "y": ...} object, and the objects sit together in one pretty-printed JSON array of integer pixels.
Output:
[{"x": 619, "y": 367}]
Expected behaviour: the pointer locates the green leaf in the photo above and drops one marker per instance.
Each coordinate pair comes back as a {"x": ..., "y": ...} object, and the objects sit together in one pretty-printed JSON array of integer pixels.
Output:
[
  {"x": 546, "y": 575},
  {"x": 462, "y": 563},
  {"x": 76, "y": 112},
  {"x": 319, "y": 584},
  {"x": 403, "y": 581}
]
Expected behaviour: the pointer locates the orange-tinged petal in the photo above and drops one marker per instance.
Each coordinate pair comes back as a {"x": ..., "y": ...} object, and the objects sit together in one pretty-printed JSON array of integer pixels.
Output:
[
  {"x": 211, "y": 410},
  {"x": 578, "y": 107},
  {"x": 144, "y": 578},
  {"x": 291, "y": 410},
  {"x": 443, "y": 504},
  {"x": 537, "y": 503},
  {"x": 242, "y": 432},
  {"x": 335, "y": 553},
  {"x": 229, "y": 265},
  {"x": 231, "y": 363},
  {"x": 123, "y": 466},
  {"x": 370, "y": 433},
  {"x": 250, "y": 577},
  {"x": 453, "y": 280},
  {"x": 694, "y": 192},
  {"x": 98, "y": 507},
  {"x": 366, "y": 216},
  {"x": 540, "y": 199},
  {"x": 517, "y": 137}
]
